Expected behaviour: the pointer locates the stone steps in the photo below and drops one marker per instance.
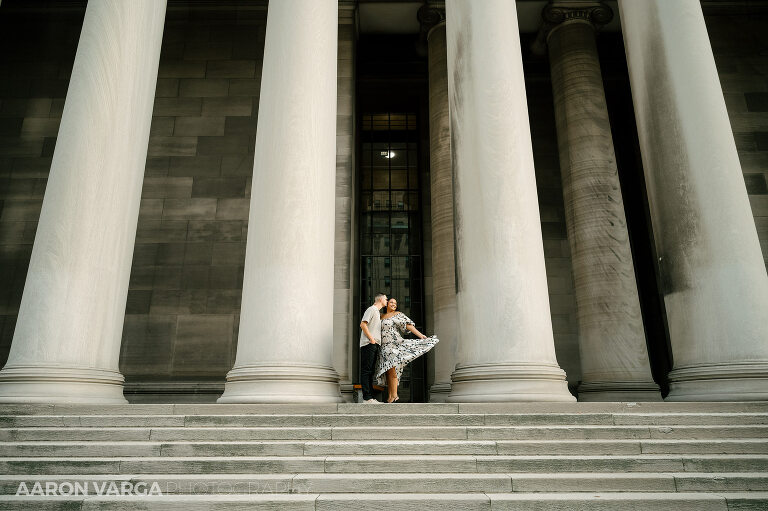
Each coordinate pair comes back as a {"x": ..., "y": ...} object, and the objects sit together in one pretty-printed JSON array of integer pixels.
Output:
[
  {"x": 372, "y": 419},
  {"x": 646, "y": 456},
  {"x": 385, "y": 463},
  {"x": 406, "y": 502},
  {"x": 398, "y": 408},
  {"x": 417, "y": 483},
  {"x": 192, "y": 433},
  {"x": 380, "y": 447}
]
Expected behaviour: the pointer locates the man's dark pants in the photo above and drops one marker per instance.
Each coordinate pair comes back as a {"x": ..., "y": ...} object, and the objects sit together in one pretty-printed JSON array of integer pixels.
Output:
[{"x": 368, "y": 355}]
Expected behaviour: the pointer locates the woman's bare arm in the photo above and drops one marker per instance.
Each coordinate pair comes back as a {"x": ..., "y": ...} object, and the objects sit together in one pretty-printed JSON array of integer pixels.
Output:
[{"x": 415, "y": 332}]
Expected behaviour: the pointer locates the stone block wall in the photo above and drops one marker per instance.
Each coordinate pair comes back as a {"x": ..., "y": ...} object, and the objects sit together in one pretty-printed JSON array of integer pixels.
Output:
[
  {"x": 740, "y": 45},
  {"x": 183, "y": 306},
  {"x": 39, "y": 51}
]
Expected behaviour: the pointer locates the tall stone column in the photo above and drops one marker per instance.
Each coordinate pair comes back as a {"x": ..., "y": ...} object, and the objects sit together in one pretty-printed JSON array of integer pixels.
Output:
[
  {"x": 66, "y": 346},
  {"x": 441, "y": 183},
  {"x": 507, "y": 350},
  {"x": 713, "y": 275},
  {"x": 345, "y": 351},
  {"x": 285, "y": 344},
  {"x": 614, "y": 355}
]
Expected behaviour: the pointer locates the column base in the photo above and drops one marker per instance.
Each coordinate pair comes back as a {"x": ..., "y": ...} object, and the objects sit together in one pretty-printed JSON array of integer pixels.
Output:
[
  {"x": 438, "y": 393},
  {"x": 486, "y": 383},
  {"x": 730, "y": 381},
  {"x": 57, "y": 384},
  {"x": 619, "y": 391},
  {"x": 270, "y": 383}
]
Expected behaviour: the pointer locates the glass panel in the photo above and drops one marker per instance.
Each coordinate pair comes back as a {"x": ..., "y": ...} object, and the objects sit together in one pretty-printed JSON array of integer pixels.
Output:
[
  {"x": 380, "y": 155},
  {"x": 400, "y": 244},
  {"x": 400, "y": 222},
  {"x": 400, "y": 201},
  {"x": 415, "y": 233},
  {"x": 413, "y": 156},
  {"x": 397, "y": 122},
  {"x": 381, "y": 223},
  {"x": 381, "y": 201},
  {"x": 398, "y": 156},
  {"x": 399, "y": 179},
  {"x": 381, "y": 243},
  {"x": 381, "y": 179},
  {"x": 400, "y": 267},
  {"x": 390, "y": 229}
]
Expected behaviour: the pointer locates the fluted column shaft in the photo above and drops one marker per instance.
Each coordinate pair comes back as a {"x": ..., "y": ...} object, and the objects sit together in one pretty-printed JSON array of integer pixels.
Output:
[
  {"x": 712, "y": 271},
  {"x": 66, "y": 346},
  {"x": 614, "y": 355},
  {"x": 285, "y": 343},
  {"x": 441, "y": 183},
  {"x": 507, "y": 349}
]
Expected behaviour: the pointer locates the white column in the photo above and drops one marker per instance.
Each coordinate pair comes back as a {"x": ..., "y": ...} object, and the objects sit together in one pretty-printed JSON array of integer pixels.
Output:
[
  {"x": 506, "y": 346},
  {"x": 441, "y": 193},
  {"x": 713, "y": 275},
  {"x": 285, "y": 344},
  {"x": 345, "y": 352},
  {"x": 66, "y": 346},
  {"x": 614, "y": 356}
]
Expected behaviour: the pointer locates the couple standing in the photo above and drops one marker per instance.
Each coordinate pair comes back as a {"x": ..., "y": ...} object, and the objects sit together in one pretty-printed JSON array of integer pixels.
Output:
[{"x": 383, "y": 350}]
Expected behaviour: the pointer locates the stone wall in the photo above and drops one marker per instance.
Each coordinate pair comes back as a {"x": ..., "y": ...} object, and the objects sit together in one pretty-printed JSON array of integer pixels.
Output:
[
  {"x": 34, "y": 75},
  {"x": 183, "y": 306}
]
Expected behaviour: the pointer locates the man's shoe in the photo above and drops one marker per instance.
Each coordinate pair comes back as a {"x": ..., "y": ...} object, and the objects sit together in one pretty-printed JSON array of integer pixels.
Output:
[{"x": 371, "y": 401}]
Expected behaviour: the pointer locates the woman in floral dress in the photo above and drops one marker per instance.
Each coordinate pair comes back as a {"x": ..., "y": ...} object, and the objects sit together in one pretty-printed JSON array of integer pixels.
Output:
[{"x": 396, "y": 352}]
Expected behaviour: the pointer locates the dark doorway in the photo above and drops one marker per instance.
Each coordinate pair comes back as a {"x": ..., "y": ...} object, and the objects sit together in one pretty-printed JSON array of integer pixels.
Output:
[
  {"x": 390, "y": 223},
  {"x": 392, "y": 173}
]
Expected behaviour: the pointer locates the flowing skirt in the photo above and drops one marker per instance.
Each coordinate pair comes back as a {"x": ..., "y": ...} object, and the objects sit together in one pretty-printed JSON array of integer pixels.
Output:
[{"x": 399, "y": 353}]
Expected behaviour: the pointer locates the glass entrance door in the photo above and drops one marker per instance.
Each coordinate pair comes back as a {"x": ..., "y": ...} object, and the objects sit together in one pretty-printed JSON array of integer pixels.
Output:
[{"x": 390, "y": 226}]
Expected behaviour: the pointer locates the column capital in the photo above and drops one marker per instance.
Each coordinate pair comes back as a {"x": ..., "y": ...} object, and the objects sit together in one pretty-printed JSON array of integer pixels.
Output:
[
  {"x": 430, "y": 15},
  {"x": 557, "y": 12},
  {"x": 560, "y": 12}
]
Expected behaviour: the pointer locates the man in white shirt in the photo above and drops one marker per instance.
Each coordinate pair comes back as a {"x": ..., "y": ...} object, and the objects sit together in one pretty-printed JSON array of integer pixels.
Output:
[{"x": 370, "y": 343}]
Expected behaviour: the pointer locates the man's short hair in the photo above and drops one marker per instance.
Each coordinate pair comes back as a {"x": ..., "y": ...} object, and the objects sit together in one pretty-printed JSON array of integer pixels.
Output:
[{"x": 379, "y": 296}]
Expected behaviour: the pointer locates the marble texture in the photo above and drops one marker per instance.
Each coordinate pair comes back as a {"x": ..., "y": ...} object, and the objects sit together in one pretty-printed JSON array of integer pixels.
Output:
[
  {"x": 711, "y": 268},
  {"x": 344, "y": 324},
  {"x": 441, "y": 183},
  {"x": 614, "y": 356},
  {"x": 285, "y": 341},
  {"x": 507, "y": 350},
  {"x": 67, "y": 340}
]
